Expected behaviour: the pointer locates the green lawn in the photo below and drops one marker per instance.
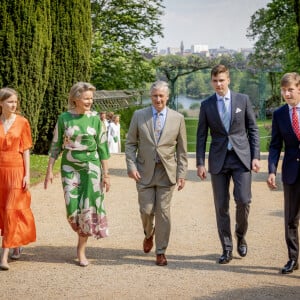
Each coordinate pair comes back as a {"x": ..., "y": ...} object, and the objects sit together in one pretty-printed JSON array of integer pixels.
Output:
[
  {"x": 38, "y": 163},
  {"x": 38, "y": 167},
  {"x": 191, "y": 127}
]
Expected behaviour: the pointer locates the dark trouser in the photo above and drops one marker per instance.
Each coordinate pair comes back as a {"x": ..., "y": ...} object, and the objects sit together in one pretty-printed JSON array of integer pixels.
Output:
[
  {"x": 241, "y": 176},
  {"x": 291, "y": 217}
]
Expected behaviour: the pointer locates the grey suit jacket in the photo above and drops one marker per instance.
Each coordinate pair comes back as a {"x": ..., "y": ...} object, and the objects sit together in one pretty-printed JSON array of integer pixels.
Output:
[
  {"x": 141, "y": 148},
  {"x": 243, "y": 133}
]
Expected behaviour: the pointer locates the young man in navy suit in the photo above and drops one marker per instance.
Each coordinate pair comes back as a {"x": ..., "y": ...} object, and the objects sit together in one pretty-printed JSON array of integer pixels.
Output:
[
  {"x": 286, "y": 135},
  {"x": 234, "y": 152}
]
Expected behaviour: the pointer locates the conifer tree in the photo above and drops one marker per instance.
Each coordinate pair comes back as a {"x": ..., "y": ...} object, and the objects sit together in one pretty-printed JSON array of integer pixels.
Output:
[
  {"x": 71, "y": 46},
  {"x": 25, "y": 52}
]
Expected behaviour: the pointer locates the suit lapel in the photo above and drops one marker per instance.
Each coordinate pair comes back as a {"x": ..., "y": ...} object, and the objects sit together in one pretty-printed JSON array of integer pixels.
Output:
[
  {"x": 149, "y": 121},
  {"x": 215, "y": 110},
  {"x": 286, "y": 118},
  {"x": 234, "y": 106},
  {"x": 168, "y": 122}
]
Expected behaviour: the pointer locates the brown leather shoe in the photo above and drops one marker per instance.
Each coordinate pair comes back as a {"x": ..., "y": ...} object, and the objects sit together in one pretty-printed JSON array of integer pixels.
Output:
[
  {"x": 148, "y": 243},
  {"x": 161, "y": 260}
]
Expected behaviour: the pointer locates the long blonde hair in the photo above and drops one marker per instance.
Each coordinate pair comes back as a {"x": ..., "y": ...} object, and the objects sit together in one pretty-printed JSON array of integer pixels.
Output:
[{"x": 6, "y": 93}]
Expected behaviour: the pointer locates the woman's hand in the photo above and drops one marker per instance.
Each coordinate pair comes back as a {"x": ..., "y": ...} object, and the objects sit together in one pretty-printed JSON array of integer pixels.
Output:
[
  {"x": 26, "y": 183},
  {"x": 49, "y": 177},
  {"x": 106, "y": 183}
]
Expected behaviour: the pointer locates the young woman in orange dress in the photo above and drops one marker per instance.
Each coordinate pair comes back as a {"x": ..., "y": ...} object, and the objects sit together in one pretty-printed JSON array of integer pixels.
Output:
[{"x": 17, "y": 224}]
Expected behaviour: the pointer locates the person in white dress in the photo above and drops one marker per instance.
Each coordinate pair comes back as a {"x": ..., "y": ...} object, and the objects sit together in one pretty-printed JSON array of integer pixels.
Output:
[{"x": 114, "y": 140}]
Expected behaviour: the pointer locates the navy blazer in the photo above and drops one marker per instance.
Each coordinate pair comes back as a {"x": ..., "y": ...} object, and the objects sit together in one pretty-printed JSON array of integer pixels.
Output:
[
  {"x": 284, "y": 135},
  {"x": 243, "y": 132}
]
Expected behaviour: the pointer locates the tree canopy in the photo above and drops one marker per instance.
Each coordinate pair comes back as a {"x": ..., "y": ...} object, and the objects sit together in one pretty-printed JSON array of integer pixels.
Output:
[
  {"x": 171, "y": 67},
  {"x": 276, "y": 30},
  {"x": 121, "y": 30}
]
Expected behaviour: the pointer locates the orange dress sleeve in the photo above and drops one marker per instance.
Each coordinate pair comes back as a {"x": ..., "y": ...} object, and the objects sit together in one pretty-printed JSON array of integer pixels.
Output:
[{"x": 26, "y": 139}]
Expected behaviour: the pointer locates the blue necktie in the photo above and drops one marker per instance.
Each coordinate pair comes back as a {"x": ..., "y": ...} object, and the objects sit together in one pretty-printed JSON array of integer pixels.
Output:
[{"x": 225, "y": 115}]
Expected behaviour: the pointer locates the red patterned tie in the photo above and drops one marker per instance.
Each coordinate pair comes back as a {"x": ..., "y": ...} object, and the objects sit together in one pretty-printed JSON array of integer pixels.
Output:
[{"x": 295, "y": 122}]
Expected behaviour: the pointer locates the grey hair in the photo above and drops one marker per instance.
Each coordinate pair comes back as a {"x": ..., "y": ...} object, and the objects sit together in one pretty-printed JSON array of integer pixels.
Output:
[
  {"x": 76, "y": 91},
  {"x": 160, "y": 85}
]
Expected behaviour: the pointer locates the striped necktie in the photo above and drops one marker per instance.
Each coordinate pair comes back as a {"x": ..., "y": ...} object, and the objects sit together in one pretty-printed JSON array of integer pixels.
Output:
[{"x": 157, "y": 126}]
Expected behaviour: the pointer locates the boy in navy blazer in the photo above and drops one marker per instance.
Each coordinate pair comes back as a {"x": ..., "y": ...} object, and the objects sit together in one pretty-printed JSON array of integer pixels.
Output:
[{"x": 285, "y": 136}]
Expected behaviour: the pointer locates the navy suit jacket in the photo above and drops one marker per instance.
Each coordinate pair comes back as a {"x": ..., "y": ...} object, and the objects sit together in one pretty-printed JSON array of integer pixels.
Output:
[
  {"x": 283, "y": 135},
  {"x": 243, "y": 133}
]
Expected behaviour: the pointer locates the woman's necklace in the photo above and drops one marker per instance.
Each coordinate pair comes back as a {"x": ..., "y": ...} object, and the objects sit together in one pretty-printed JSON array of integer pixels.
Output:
[{"x": 7, "y": 122}]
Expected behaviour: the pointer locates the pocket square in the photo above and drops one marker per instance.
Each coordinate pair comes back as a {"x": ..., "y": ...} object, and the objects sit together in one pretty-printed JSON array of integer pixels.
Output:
[{"x": 238, "y": 110}]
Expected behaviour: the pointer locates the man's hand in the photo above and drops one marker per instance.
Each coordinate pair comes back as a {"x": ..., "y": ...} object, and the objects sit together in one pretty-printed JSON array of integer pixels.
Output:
[
  {"x": 201, "y": 172},
  {"x": 255, "y": 165},
  {"x": 180, "y": 183},
  {"x": 135, "y": 175},
  {"x": 271, "y": 181}
]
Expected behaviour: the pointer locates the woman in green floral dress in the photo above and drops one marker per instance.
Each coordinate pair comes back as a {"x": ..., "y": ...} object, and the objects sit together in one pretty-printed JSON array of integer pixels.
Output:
[{"x": 81, "y": 138}]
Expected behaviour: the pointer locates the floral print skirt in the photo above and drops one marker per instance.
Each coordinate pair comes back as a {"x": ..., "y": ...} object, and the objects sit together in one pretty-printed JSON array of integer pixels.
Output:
[{"x": 83, "y": 194}]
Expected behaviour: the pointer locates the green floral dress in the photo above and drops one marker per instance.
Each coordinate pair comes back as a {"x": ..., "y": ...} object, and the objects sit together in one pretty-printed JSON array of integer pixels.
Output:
[{"x": 82, "y": 140}]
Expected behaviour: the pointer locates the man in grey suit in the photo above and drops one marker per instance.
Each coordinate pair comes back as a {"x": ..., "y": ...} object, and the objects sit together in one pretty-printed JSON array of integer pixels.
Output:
[
  {"x": 233, "y": 152},
  {"x": 156, "y": 157}
]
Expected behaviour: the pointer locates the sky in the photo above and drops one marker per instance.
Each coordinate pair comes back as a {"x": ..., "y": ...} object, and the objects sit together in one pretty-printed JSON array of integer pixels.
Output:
[{"x": 214, "y": 23}]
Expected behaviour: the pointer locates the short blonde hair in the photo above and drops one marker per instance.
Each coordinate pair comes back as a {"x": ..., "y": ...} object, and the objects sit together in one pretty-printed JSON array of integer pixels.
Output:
[
  {"x": 76, "y": 91},
  {"x": 290, "y": 78},
  {"x": 6, "y": 93}
]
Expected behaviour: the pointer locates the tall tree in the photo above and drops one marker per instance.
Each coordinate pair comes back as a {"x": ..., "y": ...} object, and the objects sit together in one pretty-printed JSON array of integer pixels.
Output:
[
  {"x": 276, "y": 31},
  {"x": 120, "y": 29},
  {"x": 71, "y": 46},
  {"x": 171, "y": 67},
  {"x": 297, "y": 13},
  {"x": 25, "y": 52}
]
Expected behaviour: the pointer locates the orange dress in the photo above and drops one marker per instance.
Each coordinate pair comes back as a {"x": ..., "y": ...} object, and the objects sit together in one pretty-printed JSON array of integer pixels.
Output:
[{"x": 17, "y": 224}]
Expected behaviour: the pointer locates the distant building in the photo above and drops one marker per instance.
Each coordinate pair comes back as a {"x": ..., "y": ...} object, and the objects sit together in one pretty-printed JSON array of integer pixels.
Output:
[
  {"x": 204, "y": 51},
  {"x": 221, "y": 51},
  {"x": 187, "y": 52},
  {"x": 199, "y": 48},
  {"x": 171, "y": 50}
]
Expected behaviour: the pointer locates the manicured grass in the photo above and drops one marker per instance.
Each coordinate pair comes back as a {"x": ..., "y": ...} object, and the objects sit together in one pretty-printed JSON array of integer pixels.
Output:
[
  {"x": 38, "y": 167},
  {"x": 191, "y": 127}
]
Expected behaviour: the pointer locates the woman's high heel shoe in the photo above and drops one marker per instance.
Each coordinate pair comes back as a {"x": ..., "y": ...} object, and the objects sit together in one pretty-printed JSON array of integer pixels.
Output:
[{"x": 16, "y": 253}]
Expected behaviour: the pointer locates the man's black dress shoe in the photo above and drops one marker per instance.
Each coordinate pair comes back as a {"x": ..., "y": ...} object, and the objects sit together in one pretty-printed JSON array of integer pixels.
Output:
[
  {"x": 242, "y": 247},
  {"x": 226, "y": 257},
  {"x": 290, "y": 266}
]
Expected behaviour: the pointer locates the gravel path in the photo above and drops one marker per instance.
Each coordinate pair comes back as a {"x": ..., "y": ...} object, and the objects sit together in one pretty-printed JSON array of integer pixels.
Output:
[{"x": 120, "y": 270}]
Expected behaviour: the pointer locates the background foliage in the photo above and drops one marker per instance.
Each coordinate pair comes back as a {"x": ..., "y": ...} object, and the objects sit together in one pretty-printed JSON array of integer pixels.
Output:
[
  {"x": 46, "y": 46},
  {"x": 71, "y": 44},
  {"x": 25, "y": 53},
  {"x": 121, "y": 31}
]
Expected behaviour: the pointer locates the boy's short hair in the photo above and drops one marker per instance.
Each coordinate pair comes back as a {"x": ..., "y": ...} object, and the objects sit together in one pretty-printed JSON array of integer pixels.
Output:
[
  {"x": 216, "y": 70},
  {"x": 290, "y": 78}
]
